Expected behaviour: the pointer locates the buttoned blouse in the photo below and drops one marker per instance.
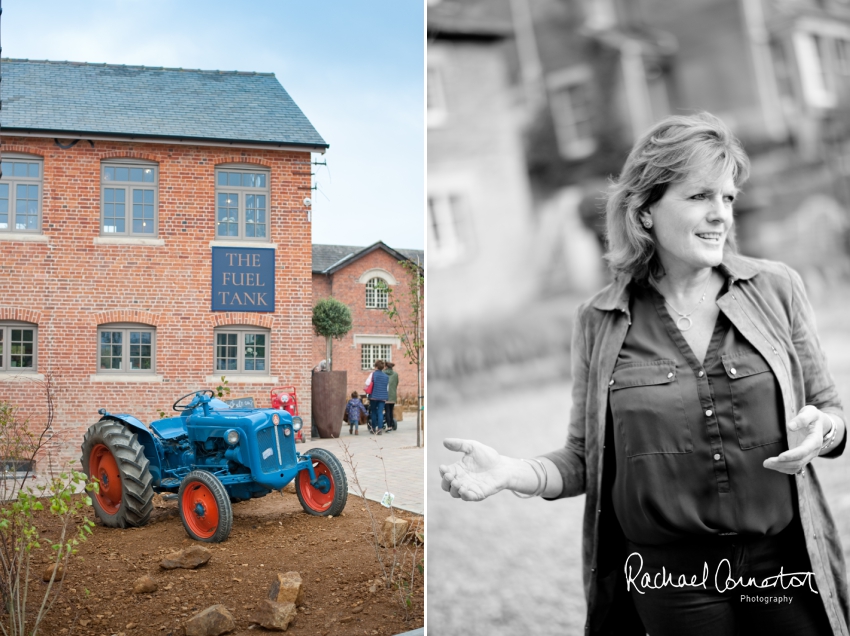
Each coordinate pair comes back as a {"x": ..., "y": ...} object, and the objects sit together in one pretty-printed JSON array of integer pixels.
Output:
[
  {"x": 690, "y": 436},
  {"x": 767, "y": 304}
]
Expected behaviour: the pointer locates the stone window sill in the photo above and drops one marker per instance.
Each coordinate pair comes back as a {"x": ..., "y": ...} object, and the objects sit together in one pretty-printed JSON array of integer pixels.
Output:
[
  {"x": 26, "y": 238},
  {"x": 128, "y": 240},
  {"x": 126, "y": 377},
  {"x": 23, "y": 376},
  {"x": 242, "y": 379},
  {"x": 257, "y": 244}
]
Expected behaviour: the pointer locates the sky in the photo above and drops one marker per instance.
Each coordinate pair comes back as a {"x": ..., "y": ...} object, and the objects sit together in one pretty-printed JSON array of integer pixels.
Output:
[{"x": 354, "y": 68}]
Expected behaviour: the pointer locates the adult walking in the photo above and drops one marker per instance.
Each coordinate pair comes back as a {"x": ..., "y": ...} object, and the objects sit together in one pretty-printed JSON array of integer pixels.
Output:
[
  {"x": 700, "y": 397},
  {"x": 377, "y": 396},
  {"x": 392, "y": 394}
]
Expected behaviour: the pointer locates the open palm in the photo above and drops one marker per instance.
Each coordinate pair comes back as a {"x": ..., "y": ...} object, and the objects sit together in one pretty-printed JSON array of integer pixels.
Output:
[{"x": 480, "y": 473}]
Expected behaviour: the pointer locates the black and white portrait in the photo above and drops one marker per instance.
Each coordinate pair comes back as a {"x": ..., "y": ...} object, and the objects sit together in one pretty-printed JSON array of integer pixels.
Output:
[{"x": 639, "y": 352}]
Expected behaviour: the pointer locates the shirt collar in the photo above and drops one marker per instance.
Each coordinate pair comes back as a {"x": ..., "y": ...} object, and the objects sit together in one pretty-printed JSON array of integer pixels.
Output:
[{"x": 616, "y": 295}]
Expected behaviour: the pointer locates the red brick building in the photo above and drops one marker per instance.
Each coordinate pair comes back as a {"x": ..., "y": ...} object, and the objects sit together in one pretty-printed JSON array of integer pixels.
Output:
[
  {"x": 352, "y": 275},
  {"x": 154, "y": 237}
]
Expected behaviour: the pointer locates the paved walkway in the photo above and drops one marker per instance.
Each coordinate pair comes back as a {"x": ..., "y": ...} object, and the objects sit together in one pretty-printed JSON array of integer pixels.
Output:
[{"x": 402, "y": 471}]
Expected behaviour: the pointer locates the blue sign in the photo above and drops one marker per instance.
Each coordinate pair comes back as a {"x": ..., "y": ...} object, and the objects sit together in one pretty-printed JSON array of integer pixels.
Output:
[{"x": 242, "y": 279}]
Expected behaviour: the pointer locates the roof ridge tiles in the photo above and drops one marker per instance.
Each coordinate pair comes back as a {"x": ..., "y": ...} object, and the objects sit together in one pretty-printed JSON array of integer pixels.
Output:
[{"x": 135, "y": 66}]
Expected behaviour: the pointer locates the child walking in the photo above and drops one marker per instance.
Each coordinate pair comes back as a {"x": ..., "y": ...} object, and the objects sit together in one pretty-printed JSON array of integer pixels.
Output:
[{"x": 353, "y": 410}]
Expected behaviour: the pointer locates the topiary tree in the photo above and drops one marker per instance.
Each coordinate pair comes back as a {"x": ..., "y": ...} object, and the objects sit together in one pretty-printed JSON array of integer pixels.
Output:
[{"x": 331, "y": 319}]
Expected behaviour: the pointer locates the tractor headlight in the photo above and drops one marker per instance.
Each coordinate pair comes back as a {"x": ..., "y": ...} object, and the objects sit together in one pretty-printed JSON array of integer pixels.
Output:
[
  {"x": 287, "y": 432},
  {"x": 297, "y": 423},
  {"x": 232, "y": 437},
  {"x": 275, "y": 419}
]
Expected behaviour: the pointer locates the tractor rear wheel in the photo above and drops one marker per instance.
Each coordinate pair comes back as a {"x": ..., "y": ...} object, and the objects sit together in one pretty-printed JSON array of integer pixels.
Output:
[
  {"x": 205, "y": 507},
  {"x": 328, "y": 496},
  {"x": 113, "y": 455}
]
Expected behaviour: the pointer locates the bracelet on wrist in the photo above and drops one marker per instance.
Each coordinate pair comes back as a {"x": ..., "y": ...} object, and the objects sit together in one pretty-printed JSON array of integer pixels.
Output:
[
  {"x": 542, "y": 483},
  {"x": 829, "y": 438}
]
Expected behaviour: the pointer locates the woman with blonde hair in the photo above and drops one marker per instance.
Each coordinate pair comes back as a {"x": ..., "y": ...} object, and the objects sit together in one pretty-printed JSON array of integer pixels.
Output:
[{"x": 700, "y": 397}]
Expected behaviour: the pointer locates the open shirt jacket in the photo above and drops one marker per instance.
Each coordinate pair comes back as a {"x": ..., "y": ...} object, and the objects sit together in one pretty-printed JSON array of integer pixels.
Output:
[{"x": 767, "y": 303}]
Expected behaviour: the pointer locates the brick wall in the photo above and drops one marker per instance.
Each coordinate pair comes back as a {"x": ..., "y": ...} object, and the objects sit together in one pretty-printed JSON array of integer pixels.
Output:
[
  {"x": 345, "y": 286},
  {"x": 70, "y": 284}
]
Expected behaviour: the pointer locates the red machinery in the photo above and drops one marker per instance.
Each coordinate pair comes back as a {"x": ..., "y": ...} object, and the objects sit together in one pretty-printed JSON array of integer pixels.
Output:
[{"x": 284, "y": 398}]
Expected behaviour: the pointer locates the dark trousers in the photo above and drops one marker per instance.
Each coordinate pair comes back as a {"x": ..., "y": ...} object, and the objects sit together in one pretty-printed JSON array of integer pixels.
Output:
[
  {"x": 722, "y": 608},
  {"x": 388, "y": 409}
]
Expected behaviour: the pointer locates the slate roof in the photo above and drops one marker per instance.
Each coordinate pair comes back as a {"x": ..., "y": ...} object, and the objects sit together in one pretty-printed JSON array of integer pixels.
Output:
[
  {"x": 141, "y": 101},
  {"x": 329, "y": 258}
]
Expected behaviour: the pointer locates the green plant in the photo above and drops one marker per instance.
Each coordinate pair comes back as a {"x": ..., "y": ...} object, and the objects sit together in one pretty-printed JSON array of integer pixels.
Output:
[
  {"x": 331, "y": 319},
  {"x": 21, "y": 501},
  {"x": 407, "y": 316},
  {"x": 222, "y": 389}
]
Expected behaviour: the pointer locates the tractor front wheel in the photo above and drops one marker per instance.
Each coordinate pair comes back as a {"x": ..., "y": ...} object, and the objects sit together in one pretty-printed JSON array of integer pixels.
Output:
[
  {"x": 328, "y": 496},
  {"x": 205, "y": 507},
  {"x": 114, "y": 457}
]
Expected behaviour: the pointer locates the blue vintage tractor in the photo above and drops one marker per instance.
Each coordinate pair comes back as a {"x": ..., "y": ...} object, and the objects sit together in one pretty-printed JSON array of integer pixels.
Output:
[{"x": 210, "y": 455}]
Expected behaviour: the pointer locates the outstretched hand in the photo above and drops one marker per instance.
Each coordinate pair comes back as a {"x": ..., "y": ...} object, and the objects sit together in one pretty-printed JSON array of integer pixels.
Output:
[
  {"x": 480, "y": 473},
  {"x": 805, "y": 437}
]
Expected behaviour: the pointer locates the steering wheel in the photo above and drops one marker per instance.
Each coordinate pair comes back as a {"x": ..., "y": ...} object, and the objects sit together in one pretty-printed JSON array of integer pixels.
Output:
[{"x": 195, "y": 395}]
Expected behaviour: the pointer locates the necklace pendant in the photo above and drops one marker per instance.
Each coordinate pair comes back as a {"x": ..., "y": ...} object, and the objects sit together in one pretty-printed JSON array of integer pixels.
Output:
[{"x": 690, "y": 323}]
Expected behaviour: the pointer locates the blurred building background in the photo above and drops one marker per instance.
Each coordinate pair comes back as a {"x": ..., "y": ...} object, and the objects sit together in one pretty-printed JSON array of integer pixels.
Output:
[{"x": 532, "y": 106}]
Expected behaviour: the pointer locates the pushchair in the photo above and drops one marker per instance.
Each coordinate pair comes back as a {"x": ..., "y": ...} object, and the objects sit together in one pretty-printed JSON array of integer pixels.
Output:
[{"x": 387, "y": 426}]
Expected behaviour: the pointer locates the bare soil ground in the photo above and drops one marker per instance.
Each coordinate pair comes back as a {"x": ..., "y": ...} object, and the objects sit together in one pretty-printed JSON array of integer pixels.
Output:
[{"x": 343, "y": 581}]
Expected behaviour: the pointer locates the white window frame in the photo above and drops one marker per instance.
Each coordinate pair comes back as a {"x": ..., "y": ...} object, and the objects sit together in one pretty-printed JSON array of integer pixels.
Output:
[
  {"x": 13, "y": 182},
  {"x": 6, "y": 328},
  {"x": 241, "y": 331},
  {"x": 448, "y": 213},
  {"x": 375, "y": 352},
  {"x": 125, "y": 328},
  {"x": 242, "y": 192},
  {"x": 377, "y": 293},
  {"x": 567, "y": 117},
  {"x": 435, "y": 90},
  {"x": 129, "y": 189}
]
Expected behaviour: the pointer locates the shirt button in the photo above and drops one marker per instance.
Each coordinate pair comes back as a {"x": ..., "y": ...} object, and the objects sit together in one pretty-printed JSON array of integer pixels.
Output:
[
  {"x": 669, "y": 375},
  {"x": 716, "y": 456},
  {"x": 611, "y": 382},
  {"x": 733, "y": 371},
  {"x": 708, "y": 412},
  {"x": 701, "y": 373}
]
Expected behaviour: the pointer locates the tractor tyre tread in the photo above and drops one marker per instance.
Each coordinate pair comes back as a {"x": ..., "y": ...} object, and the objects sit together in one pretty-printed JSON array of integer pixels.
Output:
[
  {"x": 340, "y": 482},
  {"x": 136, "y": 479}
]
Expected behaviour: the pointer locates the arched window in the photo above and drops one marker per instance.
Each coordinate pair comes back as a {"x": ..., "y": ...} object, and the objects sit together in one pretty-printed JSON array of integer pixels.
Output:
[{"x": 376, "y": 293}]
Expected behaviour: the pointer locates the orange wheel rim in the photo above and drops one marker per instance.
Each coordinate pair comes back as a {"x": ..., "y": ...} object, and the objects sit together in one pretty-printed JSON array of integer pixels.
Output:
[
  {"x": 200, "y": 510},
  {"x": 313, "y": 497},
  {"x": 104, "y": 468}
]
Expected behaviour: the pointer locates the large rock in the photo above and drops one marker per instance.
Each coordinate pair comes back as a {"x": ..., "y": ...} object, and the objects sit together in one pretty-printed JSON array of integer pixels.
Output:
[
  {"x": 189, "y": 558},
  {"x": 287, "y": 588},
  {"x": 272, "y": 615},
  {"x": 144, "y": 585},
  {"x": 393, "y": 531},
  {"x": 48, "y": 572},
  {"x": 212, "y": 621}
]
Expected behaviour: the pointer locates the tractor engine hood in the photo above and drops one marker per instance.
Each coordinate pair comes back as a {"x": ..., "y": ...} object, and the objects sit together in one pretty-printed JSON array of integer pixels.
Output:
[{"x": 200, "y": 427}]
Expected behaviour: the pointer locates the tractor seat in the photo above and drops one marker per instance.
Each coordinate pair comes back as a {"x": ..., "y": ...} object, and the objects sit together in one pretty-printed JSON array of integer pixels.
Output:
[{"x": 169, "y": 428}]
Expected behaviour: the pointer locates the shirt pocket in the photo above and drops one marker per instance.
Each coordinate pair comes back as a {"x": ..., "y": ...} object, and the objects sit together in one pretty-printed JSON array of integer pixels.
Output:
[
  {"x": 646, "y": 404},
  {"x": 753, "y": 391}
]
